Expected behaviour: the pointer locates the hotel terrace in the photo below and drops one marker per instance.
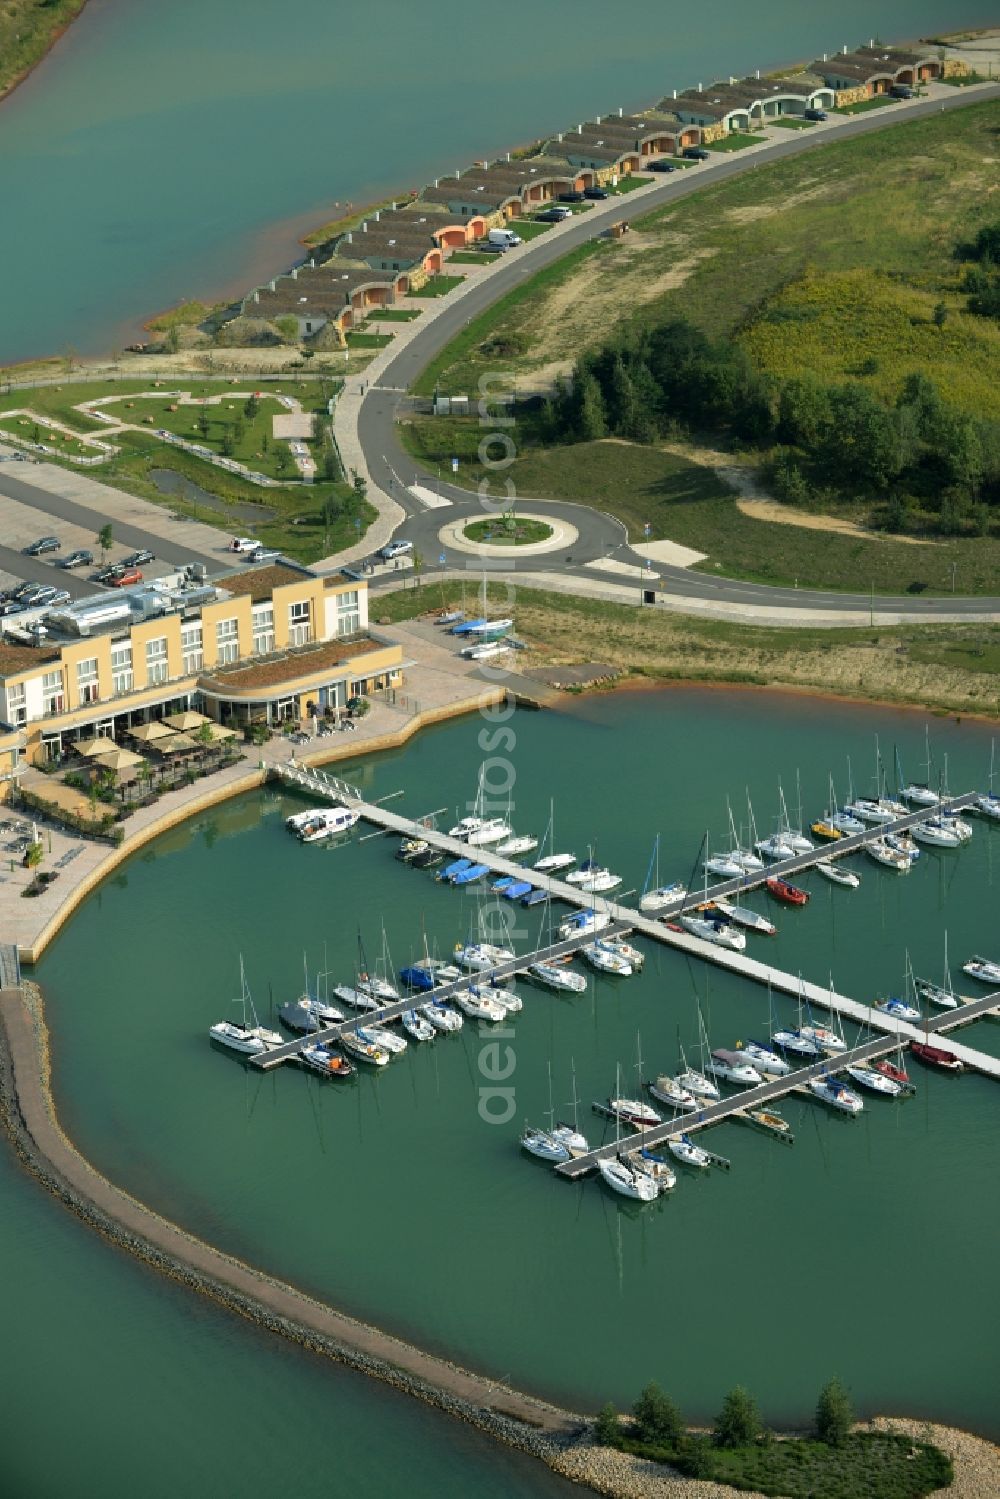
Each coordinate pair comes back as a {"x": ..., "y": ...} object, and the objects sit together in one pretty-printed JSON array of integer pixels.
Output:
[
  {"x": 395, "y": 251},
  {"x": 266, "y": 645}
]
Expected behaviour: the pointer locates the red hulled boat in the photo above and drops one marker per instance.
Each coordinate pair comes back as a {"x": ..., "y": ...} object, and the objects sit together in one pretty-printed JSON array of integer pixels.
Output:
[
  {"x": 782, "y": 890},
  {"x": 898, "y": 1073},
  {"x": 935, "y": 1056}
]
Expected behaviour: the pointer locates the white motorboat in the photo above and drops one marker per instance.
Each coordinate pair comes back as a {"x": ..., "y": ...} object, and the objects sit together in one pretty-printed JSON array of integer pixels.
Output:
[
  {"x": 584, "y": 924},
  {"x": 559, "y": 976},
  {"x": 576, "y": 1142},
  {"x": 824, "y": 1037},
  {"x": 553, "y": 862},
  {"x": 326, "y": 824},
  {"x": 593, "y": 878},
  {"x": 798, "y": 1044},
  {"x": 725, "y": 866},
  {"x": 836, "y": 1094},
  {"x": 501, "y": 994},
  {"x": 479, "y": 956},
  {"x": 743, "y": 916},
  {"x": 957, "y": 825},
  {"x": 668, "y": 1091},
  {"x": 418, "y": 1026},
  {"x": 308, "y": 1014},
  {"x": 521, "y": 843},
  {"x": 776, "y": 848},
  {"x": 544, "y": 1144},
  {"x": 481, "y": 830},
  {"x": 299, "y": 819},
  {"x": 698, "y": 1085},
  {"x": 664, "y": 895},
  {"x": 634, "y": 1112},
  {"x": 798, "y": 842},
  {"x": 604, "y": 960},
  {"x": 479, "y": 1006},
  {"x": 845, "y": 823},
  {"x": 410, "y": 847},
  {"x": 488, "y": 626},
  {"x": 988, "y": 805},
  {"x": 733, "y": 1067},
  {"x": 875, "y": 1082},
  {"x": 891, "y": 858},
  {"x": 378, "y": 989},
  {"x": 983, "y": 969},
  {"x": 627, "y": 1181},
  {"x": 937, "y": 833},
  {"x": 387, "y": 1040},
  {"x": 874, "y": 812},
  {"x": 919, "y": 795},
  {"x": 358, "y": 999},
  {"x": 721, "y": 933},
  {"x": 687, "y": 1152},
  {"x": 903, "y": 844},
  {"x": 323, "y": 1060},
  {"x": 438, "y": 970},
  {"x": 442, "y": 1016},
  {"x": 249, "y": 1040},
  {"x": 485, "y": 650},
  {"x": 898, "y": 1009},
  {"x": 833, "y": 872},
  {"x": 935, "y": 994},
  {"x": 764, "y": 1058},
  {"x": 625, "y": 950},
  {"x": 364, "y": 1050}
]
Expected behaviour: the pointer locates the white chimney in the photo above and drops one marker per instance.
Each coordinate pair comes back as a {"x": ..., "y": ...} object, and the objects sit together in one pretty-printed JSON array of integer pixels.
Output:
[
  {"x": 559, "y": 136},
  {"x": 271, "y": 285},
  {"x": 675, "y": 93},
  {"x": 871, "y": 41},
  {"x": 844, "y": 51},
  {"x": 758, "y": 75},
  {"x": 295, "y": 273},
  {"x": 824, "y": 57},
  {"x": 621, "y": 113},
  {"x": 256, "y": 296},
  {"x": 508, "y": 156}
]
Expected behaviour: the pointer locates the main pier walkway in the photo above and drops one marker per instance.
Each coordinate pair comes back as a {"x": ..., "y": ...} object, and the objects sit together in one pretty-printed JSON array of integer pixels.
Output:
[{"x": 659, "y": 929}]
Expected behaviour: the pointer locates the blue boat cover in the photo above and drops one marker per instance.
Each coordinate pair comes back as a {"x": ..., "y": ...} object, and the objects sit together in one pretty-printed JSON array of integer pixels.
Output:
[
  {"x": 469, "y": 624},
  {"x": 502, "y": 883},
  {"x": 416, "y": 978},
  {"x": 533, "y": 897},
  {"x": 517, "y": 889},
  {"x": 466, "y": 876},
  {"x": 455, "y": 868}
]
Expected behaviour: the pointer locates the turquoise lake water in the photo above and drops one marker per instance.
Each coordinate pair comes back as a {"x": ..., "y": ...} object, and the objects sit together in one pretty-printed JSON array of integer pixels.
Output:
[
  {"x": 164, "y": 152},
  {"x": 393, "y": 1197}
]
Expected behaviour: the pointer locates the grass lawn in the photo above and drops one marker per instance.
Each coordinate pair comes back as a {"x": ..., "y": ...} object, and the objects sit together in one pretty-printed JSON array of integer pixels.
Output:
[
  {"x": 470, "y": 257},
  {"x": 529, "y": 229},
  {"x": 252, "y": 442},
  {"x": 493, "y": 532},
  {"x": 864, "y": 105},
  {"x": 437, "y": 286},
  {"x": 905, "y": 664},
  {"x": 737, "y": 141},
  {"x": 368, "y": 340},
  {"x": 627, "y": 184},
  {"x": 298, "y": 527},
  {"x": 789, "y": 122},
  {"x": 686, "y": 502},
  {"x": 30, "y": 431},
  {"x": 27, "y": 30}
]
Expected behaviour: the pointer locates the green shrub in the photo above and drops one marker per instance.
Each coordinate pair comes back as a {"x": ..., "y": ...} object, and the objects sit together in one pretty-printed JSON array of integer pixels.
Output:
[{"x": 738, "y": 1424}]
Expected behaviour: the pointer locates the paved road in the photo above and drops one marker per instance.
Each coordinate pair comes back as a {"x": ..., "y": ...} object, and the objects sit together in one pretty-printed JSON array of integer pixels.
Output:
[
  {"x": 61, "y": 508},
  {"x": 600, "y": 534}
]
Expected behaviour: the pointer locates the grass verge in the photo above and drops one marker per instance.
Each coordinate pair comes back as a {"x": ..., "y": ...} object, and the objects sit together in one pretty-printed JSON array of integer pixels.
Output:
[{"x": 937, "y": 668}]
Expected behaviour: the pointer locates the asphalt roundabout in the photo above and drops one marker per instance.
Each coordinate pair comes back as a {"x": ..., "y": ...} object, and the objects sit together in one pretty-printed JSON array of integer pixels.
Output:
[{"x": 562, "y": 535}]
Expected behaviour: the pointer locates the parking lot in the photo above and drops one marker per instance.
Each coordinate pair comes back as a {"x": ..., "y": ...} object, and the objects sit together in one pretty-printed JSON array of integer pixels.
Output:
[{"x": 21, "y": 525}]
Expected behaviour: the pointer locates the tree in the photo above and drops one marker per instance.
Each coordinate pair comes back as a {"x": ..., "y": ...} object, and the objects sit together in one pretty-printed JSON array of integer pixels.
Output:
[
  {"x": 204, "y": 422},
  {"x": 657, "y": 1418},
  {"x": 205, "y": 735},
  {"x": 228, "y": 441},
  {"x": 834, "y": 1414},
  {"x": 359, "y": 484},
  {"x": 940, "y": 314},
  {"x": 417, "y": 558},
  {"x": 803, "y": 413},
  {"x": 738, "y": 1423},
  {"x": 606, "y": 1428},
  {"x": 172, "y": 341},
  {"x": 588, "y": 421},
  {"x": 105, "y": 539},
  {"x": 330, "y": 464},
  {"x": 251, "y": 406},
  {"x": 283, "y": 460},
  {"x": 332, "y": 510}
]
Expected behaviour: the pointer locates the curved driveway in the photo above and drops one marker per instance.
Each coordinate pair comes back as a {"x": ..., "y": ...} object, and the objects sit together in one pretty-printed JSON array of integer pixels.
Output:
[{"x": 599, "y": 534}]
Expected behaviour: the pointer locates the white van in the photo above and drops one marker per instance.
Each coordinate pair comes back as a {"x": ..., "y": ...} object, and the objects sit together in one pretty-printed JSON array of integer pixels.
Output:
[
  {"x": 244, "y": 544},
  {"x": 505, "y": 239}
]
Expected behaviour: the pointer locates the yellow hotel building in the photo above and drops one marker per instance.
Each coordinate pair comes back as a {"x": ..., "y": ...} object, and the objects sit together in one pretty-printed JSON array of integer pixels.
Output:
[{"x": 264, "y": 645}]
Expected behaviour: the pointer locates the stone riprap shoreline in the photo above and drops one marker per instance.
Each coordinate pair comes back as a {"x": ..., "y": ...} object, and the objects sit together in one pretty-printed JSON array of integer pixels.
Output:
[{"x": 561, "y": 1439}]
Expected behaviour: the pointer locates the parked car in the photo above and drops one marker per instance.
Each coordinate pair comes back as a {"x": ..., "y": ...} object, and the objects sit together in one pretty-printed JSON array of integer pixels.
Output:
[
  {"x": 596, "y": 192},
  {"x": 394, "y": 549},
  {"x": 901, "y": 91},
  {"x": 10, "y": 606},
  {"x": 59, "y": 597},
  {"x": 79, "y": 558},
  {"x": 553, "y": 215},
  {"x": 29, "y": 595},
  {"x": 662, "y": 166},
  {"x": 264, "y": 554},
  {"x": 43, "y": 545},
  {"x": 244, "y": 544},
  {"x": 44, "y": 596},
  {"x": 126, "y": 578},
  {"x": 23, "y": 590},
  {"x": 109, "y": 574},
  {"x": 139, "y": 558},
  {"x": 815, "y": 114},
  {"x": 571, "y": 197},
  {"x": 695, "y": 153}
]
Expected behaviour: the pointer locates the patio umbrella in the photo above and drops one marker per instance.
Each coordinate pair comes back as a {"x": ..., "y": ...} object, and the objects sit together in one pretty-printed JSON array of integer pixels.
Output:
[
  {"x": 186, "y": 721},
  {"x": 94, "y": 747},
  {"x": 175, "y": 744},
  {"x": 119, "y": 759},
  {"x": 148, "y": 733},
  {"x": 219, "y": 732}
]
